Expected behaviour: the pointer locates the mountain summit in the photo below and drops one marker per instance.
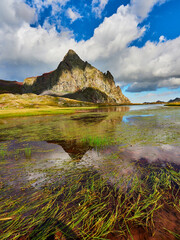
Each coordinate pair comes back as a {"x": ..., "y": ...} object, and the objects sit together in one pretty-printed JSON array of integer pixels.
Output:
[
  {"x": 76, "y": 79},
  {"x": 72, "y": 56}
]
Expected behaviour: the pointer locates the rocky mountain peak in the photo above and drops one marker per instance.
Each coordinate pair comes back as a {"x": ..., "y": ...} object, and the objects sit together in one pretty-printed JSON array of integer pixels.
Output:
[
  {"x": 71, "y": 54},
  {"x": 79, "y": 79},
  {"x": 72, "y": 60}
]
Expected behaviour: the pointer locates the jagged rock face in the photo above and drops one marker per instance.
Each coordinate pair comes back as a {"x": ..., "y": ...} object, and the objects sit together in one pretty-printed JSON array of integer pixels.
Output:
[{"x": 72, "y": 75}]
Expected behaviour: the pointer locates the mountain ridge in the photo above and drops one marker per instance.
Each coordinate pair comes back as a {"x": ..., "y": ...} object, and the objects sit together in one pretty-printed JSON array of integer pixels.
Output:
[{"x": 177, "y": 99}]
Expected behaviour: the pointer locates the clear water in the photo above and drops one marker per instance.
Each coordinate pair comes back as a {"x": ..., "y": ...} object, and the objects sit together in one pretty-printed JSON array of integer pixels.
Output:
[{"x": 35, "y": 151}]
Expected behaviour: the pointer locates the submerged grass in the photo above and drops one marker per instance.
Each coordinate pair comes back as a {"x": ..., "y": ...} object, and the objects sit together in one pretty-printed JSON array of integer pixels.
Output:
[{"x": 85, "y": 205}]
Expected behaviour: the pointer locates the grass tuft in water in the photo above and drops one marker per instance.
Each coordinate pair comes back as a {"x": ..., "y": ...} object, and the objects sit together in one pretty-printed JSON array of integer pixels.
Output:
[
  {"x": 27, "y": 152},
  {"x": 96, "y": 141}
]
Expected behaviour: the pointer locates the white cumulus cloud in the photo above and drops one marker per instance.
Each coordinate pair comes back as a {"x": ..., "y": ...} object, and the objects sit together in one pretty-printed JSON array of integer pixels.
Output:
[
  {"x": 152, "y": 66},
  {"x": 112, "y": 36},
  {"x": 14, "y": 13},
  {"x": 73, "y": 14},
  {"x": 141, "y": 8}
]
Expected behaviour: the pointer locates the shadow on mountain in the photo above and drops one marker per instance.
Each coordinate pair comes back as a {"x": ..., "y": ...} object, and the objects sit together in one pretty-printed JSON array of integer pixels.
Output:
[{"x": 89, "y": 94}]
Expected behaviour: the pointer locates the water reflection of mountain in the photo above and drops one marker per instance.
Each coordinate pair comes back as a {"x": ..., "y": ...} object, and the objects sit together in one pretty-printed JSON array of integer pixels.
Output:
[
  {"x": 90, "y": 118},
  {"x": 75, "y": 149},
  {"x": 112, "y": 109}
]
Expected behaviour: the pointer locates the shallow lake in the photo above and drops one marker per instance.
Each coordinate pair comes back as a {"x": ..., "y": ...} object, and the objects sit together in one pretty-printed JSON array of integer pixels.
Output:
[
  {"x": 89, "y": 174},
  {"x": 35, "y": 151}
]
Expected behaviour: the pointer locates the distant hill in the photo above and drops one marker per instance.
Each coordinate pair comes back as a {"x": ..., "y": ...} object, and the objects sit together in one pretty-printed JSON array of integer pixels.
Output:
[
  {"x": 10, "y": 87},
  {"x": 174, "y": 100},
  {"x": 77, "y": 79},
  {"x": 157, "y": 102}
]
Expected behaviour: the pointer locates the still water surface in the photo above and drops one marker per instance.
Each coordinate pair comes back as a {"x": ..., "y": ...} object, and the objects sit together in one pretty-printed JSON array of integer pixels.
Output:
[{"x": 36, "y": 151}]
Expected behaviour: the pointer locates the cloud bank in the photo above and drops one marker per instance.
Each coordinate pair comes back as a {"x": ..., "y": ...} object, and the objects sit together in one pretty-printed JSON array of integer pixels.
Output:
[{"x": 27, "y": 51}]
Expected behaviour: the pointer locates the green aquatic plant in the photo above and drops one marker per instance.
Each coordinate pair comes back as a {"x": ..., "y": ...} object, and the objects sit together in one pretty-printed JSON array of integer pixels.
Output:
[
  {"x": 96, "y": 141},
  {"x": 2, "y": 153},
  {"x": 27, "y": 152}
]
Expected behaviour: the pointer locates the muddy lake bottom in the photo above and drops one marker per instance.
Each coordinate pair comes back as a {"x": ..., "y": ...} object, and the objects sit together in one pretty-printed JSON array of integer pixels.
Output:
[{"x": 108, "y": 173}]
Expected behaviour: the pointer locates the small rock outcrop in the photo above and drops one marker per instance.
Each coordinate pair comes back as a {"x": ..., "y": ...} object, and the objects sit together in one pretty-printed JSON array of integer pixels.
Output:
[{"x": 75, "y": 79}]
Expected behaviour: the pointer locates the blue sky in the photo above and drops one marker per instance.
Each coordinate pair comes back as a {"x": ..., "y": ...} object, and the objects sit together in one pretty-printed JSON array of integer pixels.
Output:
[{"x": 137, "y": 40}]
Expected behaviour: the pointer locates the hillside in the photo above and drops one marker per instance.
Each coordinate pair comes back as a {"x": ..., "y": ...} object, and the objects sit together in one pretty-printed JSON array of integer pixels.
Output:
[
  {"x": 10, "y": 87},
  {"x": 174, "y": 100}
]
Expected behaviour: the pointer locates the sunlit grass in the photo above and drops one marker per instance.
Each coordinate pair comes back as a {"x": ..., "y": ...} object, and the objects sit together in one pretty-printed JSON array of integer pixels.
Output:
[
  {"x": 87, "y": 206},
  {"x": 40, "y": 111},
  {"x": 173, "y": 104}
]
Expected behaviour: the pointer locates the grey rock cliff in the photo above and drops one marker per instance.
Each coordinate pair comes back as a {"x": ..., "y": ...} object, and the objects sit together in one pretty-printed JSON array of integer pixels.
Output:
[{"x": 73, "y": 76}]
